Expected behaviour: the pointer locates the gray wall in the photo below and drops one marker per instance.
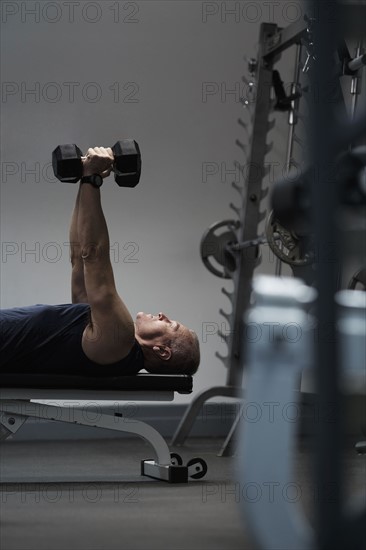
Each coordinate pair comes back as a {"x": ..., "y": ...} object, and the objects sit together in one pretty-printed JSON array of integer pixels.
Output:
[{"x": 160, "y": 57}]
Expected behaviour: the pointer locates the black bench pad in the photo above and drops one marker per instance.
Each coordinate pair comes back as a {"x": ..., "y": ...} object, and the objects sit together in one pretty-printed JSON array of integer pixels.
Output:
[{"x": 180, "y": 383}]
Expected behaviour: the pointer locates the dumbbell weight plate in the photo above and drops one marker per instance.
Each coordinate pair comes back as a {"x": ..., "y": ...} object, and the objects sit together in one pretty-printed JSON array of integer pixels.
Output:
[
  {"x": 127, "y": 163},
  {"x": 67, "y": 164}
]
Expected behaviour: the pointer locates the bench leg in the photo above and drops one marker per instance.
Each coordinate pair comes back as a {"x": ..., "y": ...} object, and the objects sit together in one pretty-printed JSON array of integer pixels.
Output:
[{"x": 194, "y": 408}]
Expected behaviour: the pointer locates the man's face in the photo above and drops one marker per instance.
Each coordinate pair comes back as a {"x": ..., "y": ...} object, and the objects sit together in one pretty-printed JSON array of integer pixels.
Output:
[{"x": 156, "y": 328}]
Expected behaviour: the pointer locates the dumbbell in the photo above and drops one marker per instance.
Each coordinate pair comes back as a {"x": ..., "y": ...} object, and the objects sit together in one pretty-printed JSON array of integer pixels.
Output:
[{"x": 68, "y": 164}]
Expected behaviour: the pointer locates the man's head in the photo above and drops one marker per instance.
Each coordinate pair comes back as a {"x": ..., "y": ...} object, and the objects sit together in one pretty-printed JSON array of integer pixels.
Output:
[{"x": 168, "y": 346}]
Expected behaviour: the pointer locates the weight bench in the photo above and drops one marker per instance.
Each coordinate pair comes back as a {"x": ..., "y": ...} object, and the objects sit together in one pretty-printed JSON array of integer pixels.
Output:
[{"x": 17, "y": 391}]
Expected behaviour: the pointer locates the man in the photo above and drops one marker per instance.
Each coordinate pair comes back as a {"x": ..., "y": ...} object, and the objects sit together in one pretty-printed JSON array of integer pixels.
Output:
[{"x": 95, "y": 334}]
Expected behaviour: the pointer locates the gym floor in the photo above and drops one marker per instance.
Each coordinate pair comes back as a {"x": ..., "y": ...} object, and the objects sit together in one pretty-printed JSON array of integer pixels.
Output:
[{"x": 88, "y": 495}]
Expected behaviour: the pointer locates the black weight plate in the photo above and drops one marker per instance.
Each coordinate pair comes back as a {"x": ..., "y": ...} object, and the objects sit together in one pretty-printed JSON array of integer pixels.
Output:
[
  {"x": 214, "y": 247},
  {"x": 285, "y": 244}
]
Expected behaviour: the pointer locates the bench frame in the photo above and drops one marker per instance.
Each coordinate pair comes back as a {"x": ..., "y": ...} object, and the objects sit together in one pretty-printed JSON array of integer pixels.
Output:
[{"x": 18, "y": 404}]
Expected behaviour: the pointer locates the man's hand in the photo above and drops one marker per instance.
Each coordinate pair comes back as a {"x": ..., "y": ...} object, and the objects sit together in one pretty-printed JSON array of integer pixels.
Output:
[{"x": 98, "y": 160}]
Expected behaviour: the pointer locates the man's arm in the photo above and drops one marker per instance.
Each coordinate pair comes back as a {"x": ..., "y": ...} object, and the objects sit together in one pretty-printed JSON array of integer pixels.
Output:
[
  {"x": 78, "y": 290},
  {"x": 110, "y": 335}
]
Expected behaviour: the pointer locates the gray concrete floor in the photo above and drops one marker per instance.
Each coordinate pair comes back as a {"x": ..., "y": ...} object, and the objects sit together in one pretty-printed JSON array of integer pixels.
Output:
[{"x": 88, "y": 495}]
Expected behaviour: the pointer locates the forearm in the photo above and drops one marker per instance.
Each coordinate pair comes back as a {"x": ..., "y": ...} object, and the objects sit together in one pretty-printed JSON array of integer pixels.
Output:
[
  {"x": 91, "y": 225},
  {"x": 78, "y": 290},
  {"x": 75, "y": 251},
  {"x": 88, "y": 226},
  {"x": 94, "y": 244}
]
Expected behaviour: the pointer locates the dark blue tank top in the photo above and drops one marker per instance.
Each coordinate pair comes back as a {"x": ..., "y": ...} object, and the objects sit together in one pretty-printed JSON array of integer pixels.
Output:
[{"x": 47, "y": 339}]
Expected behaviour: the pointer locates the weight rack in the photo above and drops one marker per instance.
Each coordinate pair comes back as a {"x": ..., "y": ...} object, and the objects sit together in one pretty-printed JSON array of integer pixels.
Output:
[{"x": 272, "y": 41}]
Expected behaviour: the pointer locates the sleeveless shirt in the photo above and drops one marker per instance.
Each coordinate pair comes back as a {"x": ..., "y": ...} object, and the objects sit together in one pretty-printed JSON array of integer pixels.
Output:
[{"x": 47, "y": 339}]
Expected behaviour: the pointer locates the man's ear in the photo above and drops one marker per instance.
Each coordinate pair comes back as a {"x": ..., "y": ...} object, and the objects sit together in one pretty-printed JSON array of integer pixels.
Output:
[{"x": 162, "y": 352}]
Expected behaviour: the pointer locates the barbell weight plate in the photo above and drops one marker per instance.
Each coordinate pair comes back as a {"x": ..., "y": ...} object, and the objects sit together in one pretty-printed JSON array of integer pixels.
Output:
[
  {"x": 215, "y": 245},
  {"x": 358, "y": 281},
  {"x": 285, "y": 244}
]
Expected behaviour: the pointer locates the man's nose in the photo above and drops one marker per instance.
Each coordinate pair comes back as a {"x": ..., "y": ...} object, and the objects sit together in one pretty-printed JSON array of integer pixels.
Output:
[{"x": 163, "y": 317}]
